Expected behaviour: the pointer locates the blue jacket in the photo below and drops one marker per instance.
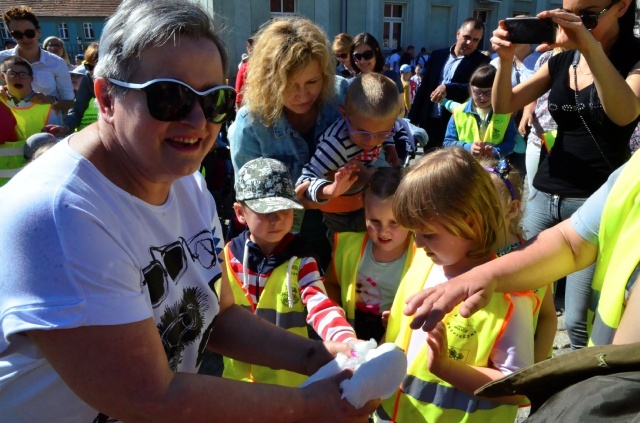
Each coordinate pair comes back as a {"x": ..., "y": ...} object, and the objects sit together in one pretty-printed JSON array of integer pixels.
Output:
[
  {"x": 250, "y": 138},
  {"x": 504, "y": 148}
]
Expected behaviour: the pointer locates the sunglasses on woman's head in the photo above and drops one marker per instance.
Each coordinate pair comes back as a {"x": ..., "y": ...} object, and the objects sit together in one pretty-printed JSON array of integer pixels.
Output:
[
  {"x": 169, "y": 100},
  {"x": 590, "y": 19},
  {"x": 88, "y": 66},
  {"x": 367, "y": 55},
  {"x": 18, "y": 35}
]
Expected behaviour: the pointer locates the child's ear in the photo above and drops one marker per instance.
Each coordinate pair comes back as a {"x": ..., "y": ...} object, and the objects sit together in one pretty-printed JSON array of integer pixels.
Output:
[
  {"x": 343, "y": 112},
  {"x": 105, "y": 100},
  {"x": 514, "y": 209},
  {"x": 237, "y": 208}
]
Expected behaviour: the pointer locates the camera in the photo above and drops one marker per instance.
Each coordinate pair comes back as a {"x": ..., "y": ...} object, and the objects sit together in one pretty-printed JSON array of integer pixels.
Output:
[{"x": 530, "y": 30}]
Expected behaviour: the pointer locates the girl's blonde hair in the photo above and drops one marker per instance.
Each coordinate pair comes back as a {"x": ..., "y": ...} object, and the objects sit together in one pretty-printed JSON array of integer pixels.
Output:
[
  {"x": 451, "y": 188},
  {"x": 46, "y": 42},
  {"x": 514, "y": 178},
  {"x": 282, "y": 48}
]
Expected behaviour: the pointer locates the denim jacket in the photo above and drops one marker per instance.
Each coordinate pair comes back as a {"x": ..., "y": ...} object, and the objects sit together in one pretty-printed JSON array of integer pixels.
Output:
[{"x": 251, "y": 139}]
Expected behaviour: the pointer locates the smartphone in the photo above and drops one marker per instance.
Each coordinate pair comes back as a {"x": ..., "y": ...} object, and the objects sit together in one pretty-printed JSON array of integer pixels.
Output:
[{"x": 531, "y": 30}]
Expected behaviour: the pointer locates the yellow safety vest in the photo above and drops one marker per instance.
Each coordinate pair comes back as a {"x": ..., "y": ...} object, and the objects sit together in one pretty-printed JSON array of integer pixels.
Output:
[
  {"x": 349, "y": 247},
  {"x": 90, "y": 115},
  {"x": 618, "y": 254},
  {"x": 423, "y": 397},
  {"x": 273, "y": 306},
  {"x": 468, "y": 130},
  {"x": 29, "y": 120}
]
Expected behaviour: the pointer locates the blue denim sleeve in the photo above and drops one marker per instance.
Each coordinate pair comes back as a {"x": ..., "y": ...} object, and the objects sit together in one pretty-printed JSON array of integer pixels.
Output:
[
  {"x": 586, "y": 220},
  {"x": 245, "y": 145}
]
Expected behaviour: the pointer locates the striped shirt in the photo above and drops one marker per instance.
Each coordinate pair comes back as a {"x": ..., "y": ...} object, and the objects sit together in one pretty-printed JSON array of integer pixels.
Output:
[{"x": 335, "y": 149}]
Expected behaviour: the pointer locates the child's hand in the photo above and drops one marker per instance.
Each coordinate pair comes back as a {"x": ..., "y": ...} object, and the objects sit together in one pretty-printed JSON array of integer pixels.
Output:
[
  {"x": 344, "y": 178},
  {"x": 488, "y": 151},
  {"x": 301, "y": 193},
  {"x": 58, "y": 131},
  {"x": 385, "y": 318},
  {"x": 438, "y": 349},
  {"x": 477, "y": 148},
  {"x": 4, "y": 93}
]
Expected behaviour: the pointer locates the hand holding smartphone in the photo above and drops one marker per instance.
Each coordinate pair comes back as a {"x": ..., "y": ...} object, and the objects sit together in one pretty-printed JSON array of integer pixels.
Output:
[{"x": 530, "y": 30}]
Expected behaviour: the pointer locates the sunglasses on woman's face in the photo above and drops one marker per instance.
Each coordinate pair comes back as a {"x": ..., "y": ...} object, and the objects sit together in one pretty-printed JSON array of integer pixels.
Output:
[
  {"x": 590, "y": 20},
  {"x": 169, "y": 100},
  {"x": 342, "y": 56},
  {"x": 367, "y": 55},
  {"x": 18, "y": 35}
]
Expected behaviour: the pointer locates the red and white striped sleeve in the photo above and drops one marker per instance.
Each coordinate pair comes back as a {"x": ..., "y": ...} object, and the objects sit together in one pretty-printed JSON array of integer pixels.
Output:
[{"x": 325, "y": 316}]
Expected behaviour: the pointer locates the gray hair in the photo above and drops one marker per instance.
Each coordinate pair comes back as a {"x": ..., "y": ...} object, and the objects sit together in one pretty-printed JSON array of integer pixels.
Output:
[{"x": 140, "y": 24}]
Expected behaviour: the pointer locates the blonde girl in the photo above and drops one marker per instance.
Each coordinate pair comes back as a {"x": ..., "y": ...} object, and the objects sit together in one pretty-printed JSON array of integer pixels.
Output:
[{"x": 448, "y": 200}]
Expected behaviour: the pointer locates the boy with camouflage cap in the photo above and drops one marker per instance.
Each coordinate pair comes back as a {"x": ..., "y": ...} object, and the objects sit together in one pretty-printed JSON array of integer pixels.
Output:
[{"x": 272, "y": 272}]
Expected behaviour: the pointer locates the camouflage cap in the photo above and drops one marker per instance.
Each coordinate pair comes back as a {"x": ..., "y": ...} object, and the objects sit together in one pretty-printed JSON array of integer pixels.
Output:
[{"x": 266, "y": 186}]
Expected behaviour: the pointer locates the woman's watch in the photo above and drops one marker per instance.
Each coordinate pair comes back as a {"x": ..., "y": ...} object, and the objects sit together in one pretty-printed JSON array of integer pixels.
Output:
[{"x": 55, "y": 100}]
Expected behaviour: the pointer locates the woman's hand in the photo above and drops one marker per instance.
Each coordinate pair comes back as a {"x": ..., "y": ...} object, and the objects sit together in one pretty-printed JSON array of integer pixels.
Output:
[
  {"x": 306, "y": 202},
  {"x": 571, "y": 33},
  {"x": 504, "y": 48}
]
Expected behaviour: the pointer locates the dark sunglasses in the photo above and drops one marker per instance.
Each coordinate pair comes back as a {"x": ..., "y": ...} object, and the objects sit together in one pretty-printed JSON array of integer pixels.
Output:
[
  {"x": 367, "y": 55},
  {"x": 590, "y": 20},
  {"x": 342, "y": 55},
  {"x": 88, "y": 66},
  {"x": 170, "y": 100},
  {"x": 18, "y": 35}
]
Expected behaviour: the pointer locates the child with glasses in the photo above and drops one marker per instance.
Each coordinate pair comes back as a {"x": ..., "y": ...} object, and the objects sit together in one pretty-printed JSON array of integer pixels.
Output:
[
  {"x": 348, "y": 152},
  {"x": 272, "y": 271},
  {"x": 22, "y": 115},
  {"x": 473, "y": 125}
]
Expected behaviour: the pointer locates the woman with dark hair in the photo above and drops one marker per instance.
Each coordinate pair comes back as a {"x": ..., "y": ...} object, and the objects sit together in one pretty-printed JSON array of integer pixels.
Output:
[
  {"x": 366, "y": 56},
  {"x": 595, "y": 100}
]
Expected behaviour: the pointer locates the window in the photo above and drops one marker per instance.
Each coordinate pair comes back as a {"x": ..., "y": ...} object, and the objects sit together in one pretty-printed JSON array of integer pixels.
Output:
[
  {"x": 485, "y": 17},
  {"x": 283, "y": 7},
  {"x": 392, "y": 30},
  {"x": 63, "y": 31},
  {"x": 88, "y": 30},
  {"x": 4, "y": 32}
]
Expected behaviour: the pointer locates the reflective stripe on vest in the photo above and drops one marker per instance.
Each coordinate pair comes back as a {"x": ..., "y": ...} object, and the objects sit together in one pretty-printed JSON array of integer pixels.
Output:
[
  {"x": 468, "y": 130},
  {"x": 273, "y": 306},
  {"x": 618, "y": 254},
  {"x": 425, "y": 398},
  {"x": 29, "y": 120},
  {"x": 348, "y": 251}
]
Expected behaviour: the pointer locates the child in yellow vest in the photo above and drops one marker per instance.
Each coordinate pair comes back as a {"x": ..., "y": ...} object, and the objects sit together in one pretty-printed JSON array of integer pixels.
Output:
[
  {"x": 450, "y": 203},
  {"x": 508, "y": 183},
  {"x": 272, "y": 272},
  {"x": 367, "y": 266},
  {"x": 27, "y": 118},
  {"x": 473, "y": 125}
]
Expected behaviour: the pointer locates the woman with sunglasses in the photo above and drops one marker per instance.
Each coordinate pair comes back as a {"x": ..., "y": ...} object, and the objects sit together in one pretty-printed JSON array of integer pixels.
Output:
[
  {"x": 595, "y": 99},
  {"x": 52, "y": 82},
  {"x": 366, "y": 56},
  {"x": 342, "y": 49},
  {"x": 84, "y": 111},
  {"x": 113, "y": 287},
  {"x": 56, "y": 46},
  {"x": 291, "y": 96}
]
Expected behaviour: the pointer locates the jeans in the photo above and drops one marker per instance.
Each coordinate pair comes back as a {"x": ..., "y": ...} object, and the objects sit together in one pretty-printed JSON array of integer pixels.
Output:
[{"x": 542, "y": 212}]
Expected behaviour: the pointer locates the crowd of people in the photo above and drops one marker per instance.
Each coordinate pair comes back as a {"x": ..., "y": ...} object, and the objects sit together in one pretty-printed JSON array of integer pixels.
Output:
[{"x": 122, "y": 298}]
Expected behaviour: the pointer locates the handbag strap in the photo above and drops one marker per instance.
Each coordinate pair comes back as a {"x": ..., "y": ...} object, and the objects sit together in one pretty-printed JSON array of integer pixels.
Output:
[{"x": 576, "y": 60}]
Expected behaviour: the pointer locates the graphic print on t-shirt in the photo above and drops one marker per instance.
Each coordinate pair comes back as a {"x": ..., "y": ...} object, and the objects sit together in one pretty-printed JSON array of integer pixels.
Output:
[{"x": 182, "y": 321}]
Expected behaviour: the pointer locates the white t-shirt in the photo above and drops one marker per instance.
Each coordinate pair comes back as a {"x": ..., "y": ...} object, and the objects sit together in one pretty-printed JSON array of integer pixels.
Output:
[{"x": 79, "y": 251}]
